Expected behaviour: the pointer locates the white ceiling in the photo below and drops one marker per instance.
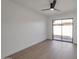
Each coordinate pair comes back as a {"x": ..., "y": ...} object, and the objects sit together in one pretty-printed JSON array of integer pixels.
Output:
[{"x": 37, "y": 5}]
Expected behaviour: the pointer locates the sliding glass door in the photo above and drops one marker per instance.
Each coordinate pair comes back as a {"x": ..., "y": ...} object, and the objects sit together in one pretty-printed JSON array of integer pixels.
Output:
[{"x": 62, "y": 30}]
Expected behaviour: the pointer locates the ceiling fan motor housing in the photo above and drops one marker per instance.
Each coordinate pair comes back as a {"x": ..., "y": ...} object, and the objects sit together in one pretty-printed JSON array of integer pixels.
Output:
[{"x": 52, "y": 5}]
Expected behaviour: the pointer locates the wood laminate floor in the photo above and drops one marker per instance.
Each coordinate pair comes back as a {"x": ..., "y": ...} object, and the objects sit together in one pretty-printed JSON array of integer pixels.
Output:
[{"x": 48, "y": 49}]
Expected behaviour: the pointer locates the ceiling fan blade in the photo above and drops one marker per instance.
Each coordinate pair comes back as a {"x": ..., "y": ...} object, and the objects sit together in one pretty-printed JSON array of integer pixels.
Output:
[
  {"x": 45, "y": 9},
  {"x": 56, "y": 9}
]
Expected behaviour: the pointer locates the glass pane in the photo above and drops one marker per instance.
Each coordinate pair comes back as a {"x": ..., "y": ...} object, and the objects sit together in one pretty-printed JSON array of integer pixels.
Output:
[
  {"x": 57, "y": 22},
  {"x": 57, "y": 30},
  {"x": 67, "y": 21},
  {"x": 67, "y": 30}
]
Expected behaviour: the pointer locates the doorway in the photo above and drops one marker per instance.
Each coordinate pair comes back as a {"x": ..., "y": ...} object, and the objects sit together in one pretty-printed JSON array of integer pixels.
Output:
[{"x": 62, "y": 30}]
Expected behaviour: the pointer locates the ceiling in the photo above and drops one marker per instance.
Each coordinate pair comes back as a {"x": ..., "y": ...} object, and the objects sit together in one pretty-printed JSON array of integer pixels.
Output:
[{"x": 37, "y": 5}]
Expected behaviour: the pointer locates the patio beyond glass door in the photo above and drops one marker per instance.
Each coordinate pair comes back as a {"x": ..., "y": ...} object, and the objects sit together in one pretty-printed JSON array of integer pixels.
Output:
[{"x": 62, "y": 30}]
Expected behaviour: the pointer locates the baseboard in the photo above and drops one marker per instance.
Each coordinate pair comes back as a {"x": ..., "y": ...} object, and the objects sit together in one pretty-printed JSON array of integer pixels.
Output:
[
  {"x": 9, "y": 57},
  {"x": 49, "y": 39}
]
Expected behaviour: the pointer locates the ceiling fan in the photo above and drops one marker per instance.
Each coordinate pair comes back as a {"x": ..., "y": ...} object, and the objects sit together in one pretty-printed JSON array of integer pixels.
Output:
[{"x": 52, "y": 6}]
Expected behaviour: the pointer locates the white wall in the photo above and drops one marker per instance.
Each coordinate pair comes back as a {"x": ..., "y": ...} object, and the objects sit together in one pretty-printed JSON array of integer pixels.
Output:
[
  {"x": 21, "y": 28},
  {"x": 49, "y": 32},
  {"x": 70, "y": 14}
]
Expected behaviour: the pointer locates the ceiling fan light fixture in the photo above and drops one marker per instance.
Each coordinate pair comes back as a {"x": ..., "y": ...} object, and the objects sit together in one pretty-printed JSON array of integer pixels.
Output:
[
  {"x": 52, "y": 6},
  {"x": 52, "y": 9}
]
